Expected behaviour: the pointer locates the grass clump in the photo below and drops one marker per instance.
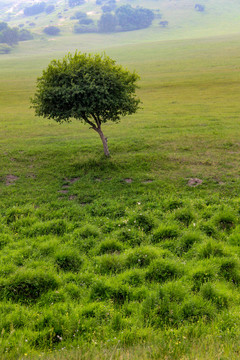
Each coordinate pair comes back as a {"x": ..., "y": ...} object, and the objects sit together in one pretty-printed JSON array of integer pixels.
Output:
[
  {"x": 27, "y": 286},
  {"x": 217, "y": 294},
  {"x": 109, "y": 246},
  {"x": 142, "y": 222},
  {"x": 164, "y": 232},
  {"x": 131, "y": 237},
  {"x": 162, "y": 270},
  {"x": 185, "y": 216},
  {"x": 109, "y": 264},
  {"x": 197, "y": 308},
  {"x": 210, "y": 248},
  {"x": 140, "y": 257},
  {"x": 225, "y": 220},
  {"x": 186, "y": 242},
  {"x": 229, "y": 269},
  {"x": 202, "y": 274},
  {"x": 68, "y": 259}
]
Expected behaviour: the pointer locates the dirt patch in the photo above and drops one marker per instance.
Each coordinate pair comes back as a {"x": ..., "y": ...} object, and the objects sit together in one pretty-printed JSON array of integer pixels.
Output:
[
  {"x": 63, "y": 191},
  {"x": 128, "y": 180},
  {"x": 11, "y": 179},
  {"x": 194, "y": 182},
  {"x": 148, "y": 181},
  {"x": 72, "y": 197},
  {"x": 97, "y": 179},
  {"x": 66, "y": 186},
  {"x": 31, "y": 175},
  {"x": 72, "y": 180}
]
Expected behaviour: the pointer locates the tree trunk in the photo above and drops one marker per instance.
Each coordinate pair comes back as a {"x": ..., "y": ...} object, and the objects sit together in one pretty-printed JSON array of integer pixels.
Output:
[{"x": 104, "y": 141}]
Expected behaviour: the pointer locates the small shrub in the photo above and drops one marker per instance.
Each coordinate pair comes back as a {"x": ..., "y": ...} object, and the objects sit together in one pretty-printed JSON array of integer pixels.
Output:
[
  {"x": 165, "y": 232},
  {"x": 68, "y": 260},
  {"x": 27, "y": 285},
  {"x": 163, "y": 270}
]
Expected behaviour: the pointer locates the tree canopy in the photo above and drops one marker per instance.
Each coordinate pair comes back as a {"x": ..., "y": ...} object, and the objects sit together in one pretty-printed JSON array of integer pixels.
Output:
[{"x": 89, "y": 88}]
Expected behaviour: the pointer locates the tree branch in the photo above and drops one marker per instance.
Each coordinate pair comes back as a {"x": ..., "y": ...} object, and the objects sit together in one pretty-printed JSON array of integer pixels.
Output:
[
  {"x": 89, "y": 122},
  {"x": 98, "y": 121}
]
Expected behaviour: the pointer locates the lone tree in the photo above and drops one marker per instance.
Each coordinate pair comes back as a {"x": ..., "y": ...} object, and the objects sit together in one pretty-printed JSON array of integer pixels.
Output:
[{"x": 89, "y": 88}]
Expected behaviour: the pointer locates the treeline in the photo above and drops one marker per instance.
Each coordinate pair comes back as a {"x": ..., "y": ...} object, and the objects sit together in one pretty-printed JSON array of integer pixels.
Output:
[
  {"x": 124, "y": 18},
  {"x": 38, "y": 8},
  {"x": 11, "y": 36}
]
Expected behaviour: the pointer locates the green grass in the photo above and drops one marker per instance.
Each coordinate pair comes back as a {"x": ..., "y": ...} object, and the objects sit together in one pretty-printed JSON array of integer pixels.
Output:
[{"x": 93, "y": 266}]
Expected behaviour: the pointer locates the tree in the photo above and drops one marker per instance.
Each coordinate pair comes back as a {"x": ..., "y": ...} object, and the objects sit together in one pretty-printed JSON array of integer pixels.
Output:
[
  {"x": 73, "y": 3},
  {"x": 51, "y": 30},
  {"x": 130, "y": 18},
  {"x": 199, "y": 7},
  {"x": 89, "y": 88},
  {"x": 107, "y": 23},
  {"x": 34, "y": 9}
]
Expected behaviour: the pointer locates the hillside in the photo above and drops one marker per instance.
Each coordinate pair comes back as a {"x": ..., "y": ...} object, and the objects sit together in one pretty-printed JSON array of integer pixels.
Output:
[{"x": 185, "y": 19}]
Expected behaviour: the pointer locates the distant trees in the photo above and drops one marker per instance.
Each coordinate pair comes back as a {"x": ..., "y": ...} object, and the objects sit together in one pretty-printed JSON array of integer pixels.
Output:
[
  {"x": 199, "y": 7},
  {"x": 51, "y": 30},
  {"x": 126, "y": 18},
  {"x": 11, "y": 36},
  {"x": 73, "y": 3},
  {"x": 163, "y": 23},
  {"x": 24, "y": 35},
  {"x": 49, "y": 9},
  {"x": 34, "y": 9},
  {"x": 130, "y": 18},
  {"x": 5, "y": 49},
  {"x": 79, "y": 15},
  {"x": 107, "y": 23}
]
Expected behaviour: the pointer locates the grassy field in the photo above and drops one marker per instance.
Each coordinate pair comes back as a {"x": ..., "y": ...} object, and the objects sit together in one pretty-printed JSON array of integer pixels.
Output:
[{"x": 124, "y": 258}]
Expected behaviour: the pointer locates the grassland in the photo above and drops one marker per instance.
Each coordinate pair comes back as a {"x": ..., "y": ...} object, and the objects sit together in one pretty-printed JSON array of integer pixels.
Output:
[{"x": 121, "y": 258}]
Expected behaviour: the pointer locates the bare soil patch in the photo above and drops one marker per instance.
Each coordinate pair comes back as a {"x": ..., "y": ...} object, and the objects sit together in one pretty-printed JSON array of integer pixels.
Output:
[
  {"x": 128, "y": 180},
  {"x": 194, "y": 182},
  {"x": 11, "y": 179}
]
